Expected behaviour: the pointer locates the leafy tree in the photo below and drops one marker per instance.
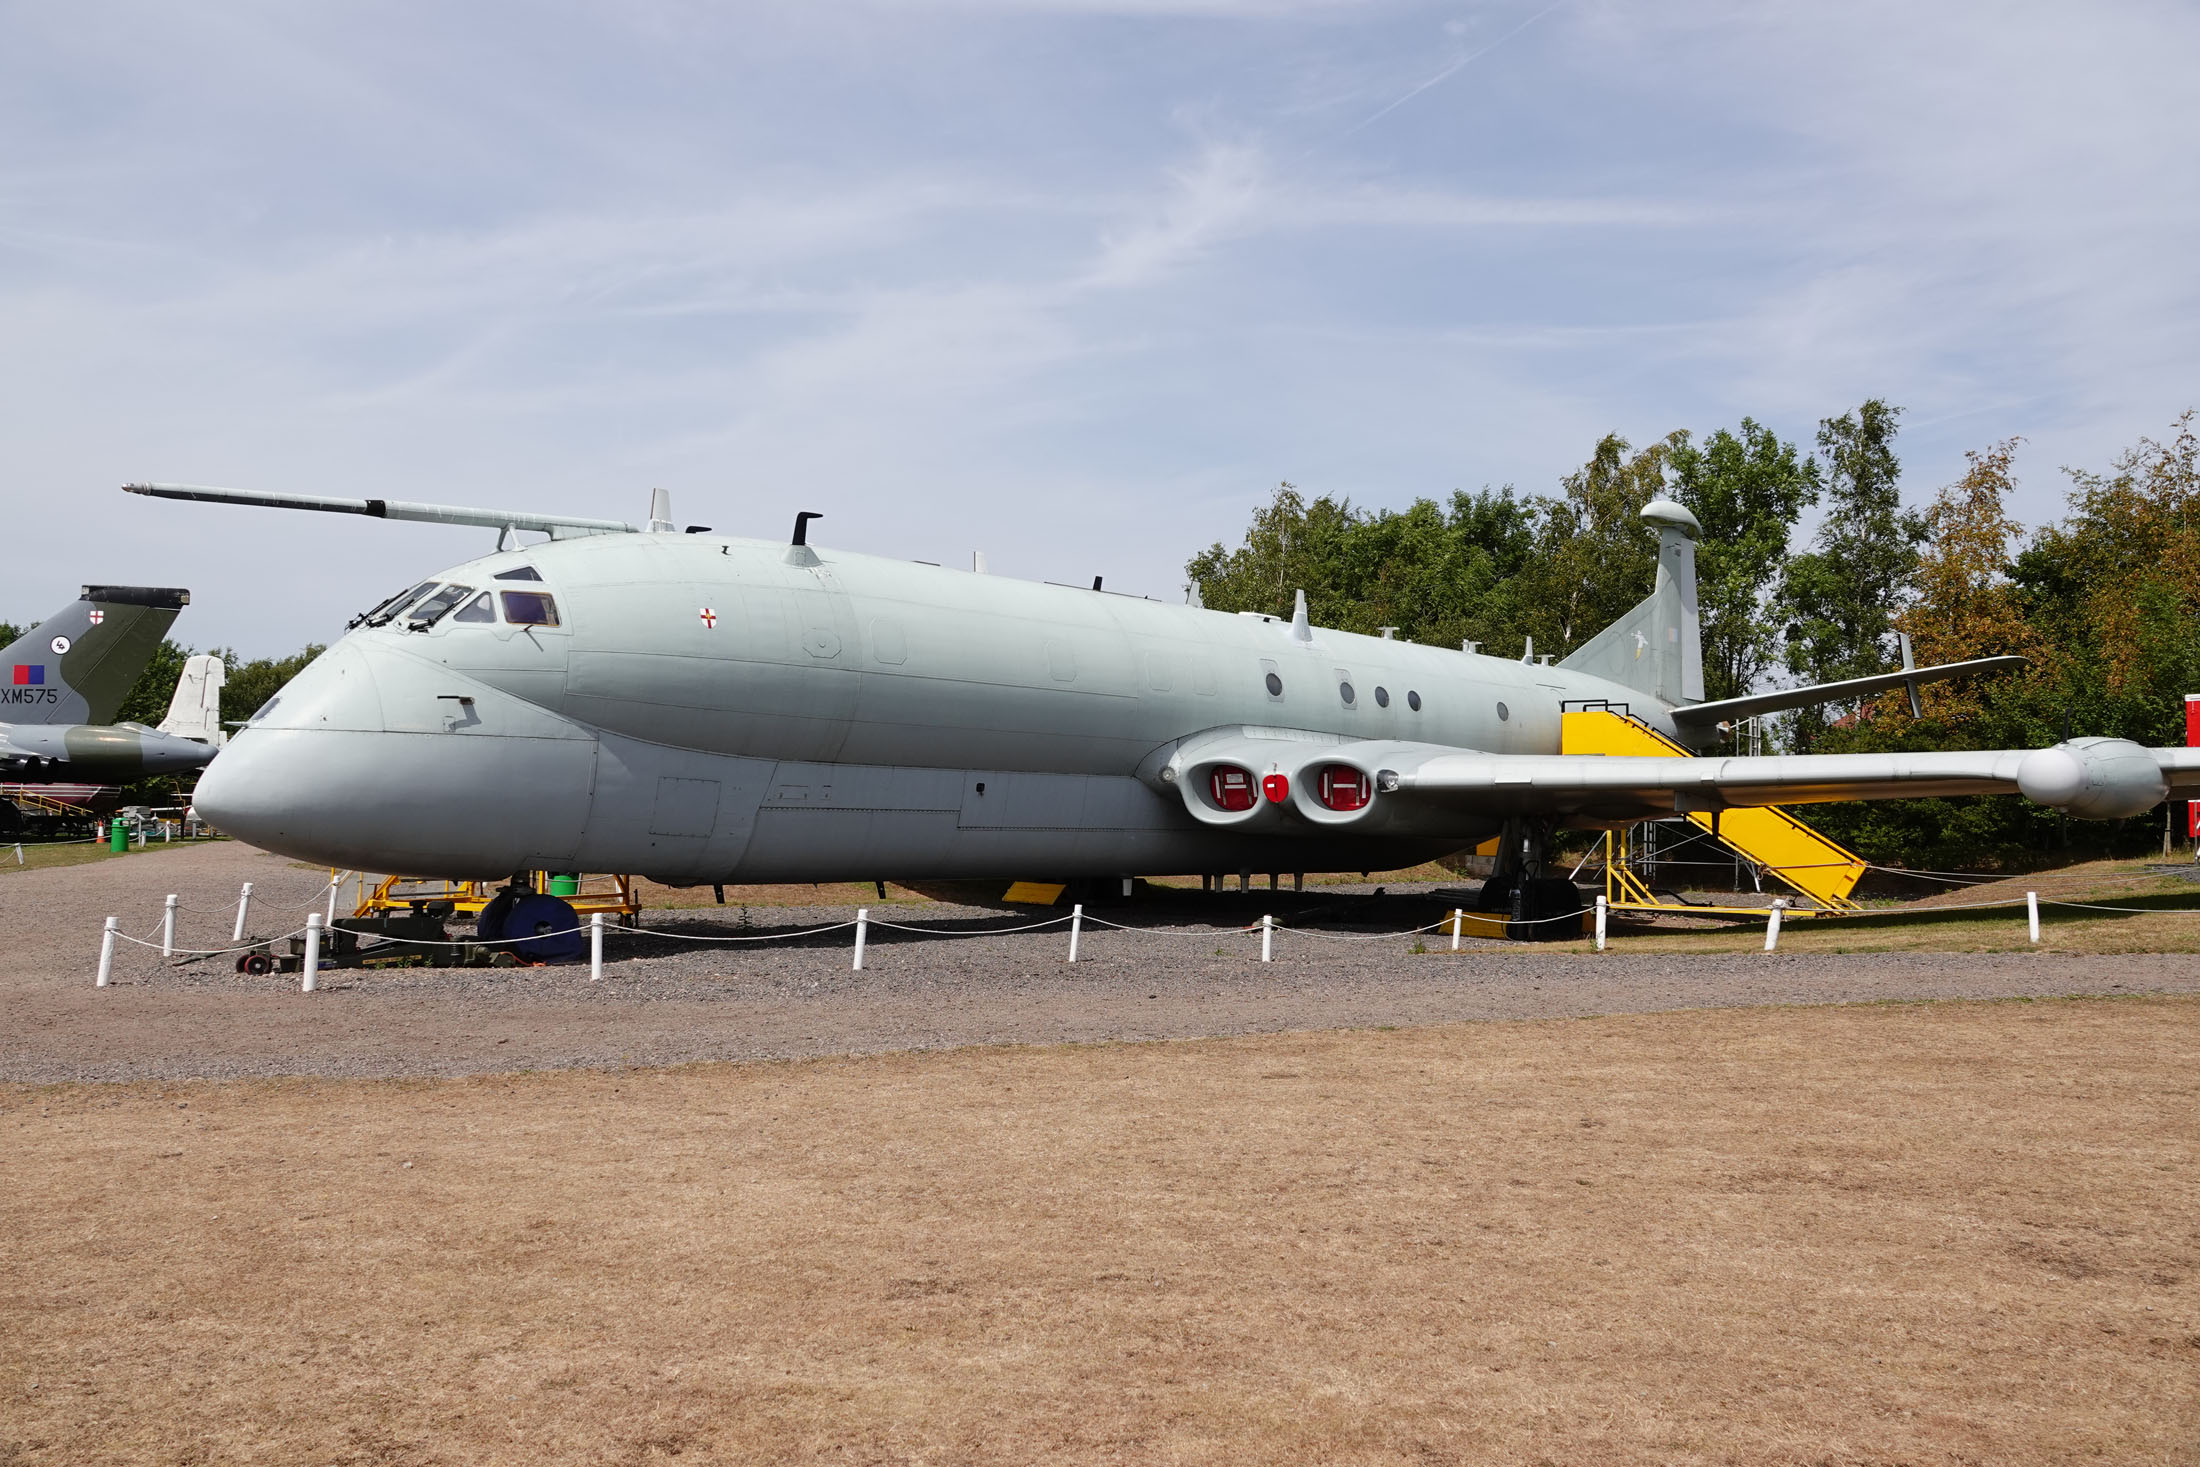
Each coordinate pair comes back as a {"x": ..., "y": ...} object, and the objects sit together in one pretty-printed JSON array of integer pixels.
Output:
[
  {"x": 2115, "y": 590},
  {"x": 1594, "y": 557},
  {"x": 148, "y": 699},
  {"x": 1437, "y": 573},
  {"x": 1839, "y": 599},
  {"x": 1963, "y": 603},
  {"x": 1746, "y": 488},
  {"x": 2106, "y": 603}
]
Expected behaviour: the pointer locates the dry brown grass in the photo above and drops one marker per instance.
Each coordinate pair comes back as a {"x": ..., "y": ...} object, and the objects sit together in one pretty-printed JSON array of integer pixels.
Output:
[
  {"x": 1920, "y": 1234},
  {"x": 2069, "y": 929},
  {"x": 46, "y": 856},
  {"x": 2005, "y": 931}
]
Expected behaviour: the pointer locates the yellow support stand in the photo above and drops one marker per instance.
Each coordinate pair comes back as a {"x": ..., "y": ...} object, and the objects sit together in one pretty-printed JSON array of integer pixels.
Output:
[{"x": 609, "y": 894}]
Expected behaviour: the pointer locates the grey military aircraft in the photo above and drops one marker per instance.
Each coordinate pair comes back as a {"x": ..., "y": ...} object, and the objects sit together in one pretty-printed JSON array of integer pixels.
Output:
[
  {"x": 701, "y": 708},
  {"x": 62, "y": 683}
]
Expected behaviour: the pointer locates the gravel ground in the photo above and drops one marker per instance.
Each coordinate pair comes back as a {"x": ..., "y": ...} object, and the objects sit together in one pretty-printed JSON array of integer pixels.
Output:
[{"x": 1192, "y": 972}]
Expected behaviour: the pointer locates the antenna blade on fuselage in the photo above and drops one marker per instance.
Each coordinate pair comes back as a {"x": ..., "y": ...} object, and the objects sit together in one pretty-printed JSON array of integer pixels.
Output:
[{"x": 392, "y": 509}]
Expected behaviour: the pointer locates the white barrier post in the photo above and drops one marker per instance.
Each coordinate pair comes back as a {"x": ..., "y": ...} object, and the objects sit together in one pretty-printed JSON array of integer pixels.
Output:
[
  {"x": 309, "y": 977},
  {"x": 863, "y": 928},
  {"x": 333, "y": 881},
  {"x": 244, "y": 906},
  {"x": 1458, "y": 925},
  {"x": 1772, "y": 923},
  {"x": 106, "y": 955},
  {"x": 168, "y": 927},
  {"x": 18, "y": 853},
  {"x": 595, "y": 948},
  {"x": 2032, "y": 913},
  {"x": 1604, "y": 909},
  {"x": 1267, "y": 937},
  {"x": 1076, "y": 928}
]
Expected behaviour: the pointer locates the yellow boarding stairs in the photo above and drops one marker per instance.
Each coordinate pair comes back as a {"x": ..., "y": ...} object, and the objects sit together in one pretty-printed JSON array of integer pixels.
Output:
[
  {"x": 1764, "y": 834},
  {"x": 30, "y": 802}
]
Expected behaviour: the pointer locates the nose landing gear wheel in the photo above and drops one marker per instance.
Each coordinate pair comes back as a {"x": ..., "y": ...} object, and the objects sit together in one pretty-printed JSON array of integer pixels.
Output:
[{"x": 259, "y": 965}]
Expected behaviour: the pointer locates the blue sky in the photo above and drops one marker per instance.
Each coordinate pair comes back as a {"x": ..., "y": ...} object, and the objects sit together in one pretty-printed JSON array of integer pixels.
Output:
[{"x": 1072, "y": 283}]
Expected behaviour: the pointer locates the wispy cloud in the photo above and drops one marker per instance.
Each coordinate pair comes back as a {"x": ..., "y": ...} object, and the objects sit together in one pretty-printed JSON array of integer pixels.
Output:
[{"x": 1049, "y": 275}]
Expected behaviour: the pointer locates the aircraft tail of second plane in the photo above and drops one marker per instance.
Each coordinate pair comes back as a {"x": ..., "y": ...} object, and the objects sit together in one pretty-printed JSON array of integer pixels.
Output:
[{"x": 78, "y": 665}]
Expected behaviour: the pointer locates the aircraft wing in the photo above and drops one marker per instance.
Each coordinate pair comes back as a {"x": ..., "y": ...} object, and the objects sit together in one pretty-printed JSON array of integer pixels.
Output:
[
  {"x": 1430, "y": 787},
  {"x": 2091, "y": 778},
  {"x": 1563, "y": 781}
]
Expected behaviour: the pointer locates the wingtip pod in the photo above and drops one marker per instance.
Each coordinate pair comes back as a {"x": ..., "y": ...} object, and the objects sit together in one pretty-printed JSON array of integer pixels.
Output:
[{"x": 2093, "y": 779}]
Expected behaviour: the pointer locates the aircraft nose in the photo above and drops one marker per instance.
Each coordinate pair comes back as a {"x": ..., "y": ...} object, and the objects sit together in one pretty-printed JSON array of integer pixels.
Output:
[
  {"x": 374, "y": 759},
  {"x": 229, "y": 796},
  {"x": 166, "y": 754},
  {"x": 262, "y": 787}
]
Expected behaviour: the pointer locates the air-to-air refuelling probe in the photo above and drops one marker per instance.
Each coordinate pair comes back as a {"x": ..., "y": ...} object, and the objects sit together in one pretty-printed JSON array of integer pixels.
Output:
[
  {"x": 699, "y": 708},
  {"x": 62, "y": 683}
]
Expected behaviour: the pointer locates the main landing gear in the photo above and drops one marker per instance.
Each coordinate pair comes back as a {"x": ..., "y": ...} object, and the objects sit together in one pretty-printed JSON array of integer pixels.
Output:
[{"x": 1521, "y": 888}]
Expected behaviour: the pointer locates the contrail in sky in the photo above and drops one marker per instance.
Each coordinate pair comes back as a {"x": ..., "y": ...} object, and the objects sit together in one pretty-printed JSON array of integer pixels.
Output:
[{"x": 1448, "y": 72}]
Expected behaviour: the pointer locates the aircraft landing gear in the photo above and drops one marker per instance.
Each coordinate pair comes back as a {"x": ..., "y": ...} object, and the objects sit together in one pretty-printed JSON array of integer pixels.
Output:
[{"x": 1521, "y": 888}]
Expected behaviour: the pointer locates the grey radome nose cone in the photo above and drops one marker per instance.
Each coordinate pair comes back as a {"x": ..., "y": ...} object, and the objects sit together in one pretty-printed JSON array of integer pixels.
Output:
[{"x": 1667, "y": 512}]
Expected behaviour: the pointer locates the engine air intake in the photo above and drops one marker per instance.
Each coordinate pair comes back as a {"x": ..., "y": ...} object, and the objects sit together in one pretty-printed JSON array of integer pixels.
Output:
[
  {"x": 1231, "y": 788},
  {"x": 1342, "y": 788}
]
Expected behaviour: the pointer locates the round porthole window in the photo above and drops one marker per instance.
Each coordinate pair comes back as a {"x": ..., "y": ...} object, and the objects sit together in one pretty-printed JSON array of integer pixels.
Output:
[
  {"x": 1503, "y": 713},
  {"x": 1382, "y": 697},
  {"x": 1344, "y": 691},
  {"x": 1413, "y": 701},
  {"x": 1275, "y": 686}
]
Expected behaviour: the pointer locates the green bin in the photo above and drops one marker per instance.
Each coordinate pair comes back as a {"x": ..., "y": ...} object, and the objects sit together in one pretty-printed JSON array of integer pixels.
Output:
[
  {"x": 118, "y": 836},
  {"x": 565, "y": 883}
]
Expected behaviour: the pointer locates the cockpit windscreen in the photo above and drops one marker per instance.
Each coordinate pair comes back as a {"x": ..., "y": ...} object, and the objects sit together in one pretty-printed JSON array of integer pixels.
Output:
[
  {"x": 388, "y": 610},
  {"x": 432, "y": 610}
]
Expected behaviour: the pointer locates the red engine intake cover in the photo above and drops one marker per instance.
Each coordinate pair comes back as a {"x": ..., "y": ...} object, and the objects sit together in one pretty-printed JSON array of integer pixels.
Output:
[
  {"x": 1343, "y": 788},
  {"x": 1231, "y": 787}
]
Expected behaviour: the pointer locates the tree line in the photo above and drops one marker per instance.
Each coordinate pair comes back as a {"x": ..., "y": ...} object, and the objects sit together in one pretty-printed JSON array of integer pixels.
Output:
[{"x": 2101, "y": 599}]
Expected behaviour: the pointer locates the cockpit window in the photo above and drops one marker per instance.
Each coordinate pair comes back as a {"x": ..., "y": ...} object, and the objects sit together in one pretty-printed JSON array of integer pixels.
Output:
[
  {"x": 432, "y": 610},
  {"x": 519, "y": 573},
  {"x": 530, "y": 609},
  {"x": 388, "y": 610},
  {"x": 481, "y": 608}
]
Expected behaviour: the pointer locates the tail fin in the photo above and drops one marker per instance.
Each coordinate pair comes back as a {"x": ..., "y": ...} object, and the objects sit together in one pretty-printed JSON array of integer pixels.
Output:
[
  {"x": 1657, "y": 648},
  {"x": 196, "y": 710},
  {"x": 78, "y": 665}
]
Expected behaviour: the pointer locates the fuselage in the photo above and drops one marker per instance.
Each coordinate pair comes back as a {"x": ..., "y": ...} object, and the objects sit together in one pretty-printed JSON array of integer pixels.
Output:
[
  {"x": 93, "y": 753},
  {"x": 699, "y": 708}
]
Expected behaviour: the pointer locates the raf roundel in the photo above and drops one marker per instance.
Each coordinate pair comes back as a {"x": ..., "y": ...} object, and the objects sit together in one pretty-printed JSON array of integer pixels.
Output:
[
  {"x": 708, "y": 617},
  {"x": 60, "y": 646}
]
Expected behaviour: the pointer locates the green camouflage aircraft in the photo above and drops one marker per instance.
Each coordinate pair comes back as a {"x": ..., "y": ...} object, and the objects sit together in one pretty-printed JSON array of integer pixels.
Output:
[{"x": 62, "y": 683}]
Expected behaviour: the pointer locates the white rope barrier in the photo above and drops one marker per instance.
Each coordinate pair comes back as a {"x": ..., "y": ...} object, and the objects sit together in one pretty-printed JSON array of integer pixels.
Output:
[
  {"x": 215, "y": 952},
  {"x": 316, "y": 926},
  {"x": 982, "y": 932}
]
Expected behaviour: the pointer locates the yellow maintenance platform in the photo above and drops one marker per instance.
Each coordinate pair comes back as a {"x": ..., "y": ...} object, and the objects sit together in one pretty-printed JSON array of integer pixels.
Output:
[
  {"x": 611, "y": 895},
  {"x": 1764, "y": 834}
]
